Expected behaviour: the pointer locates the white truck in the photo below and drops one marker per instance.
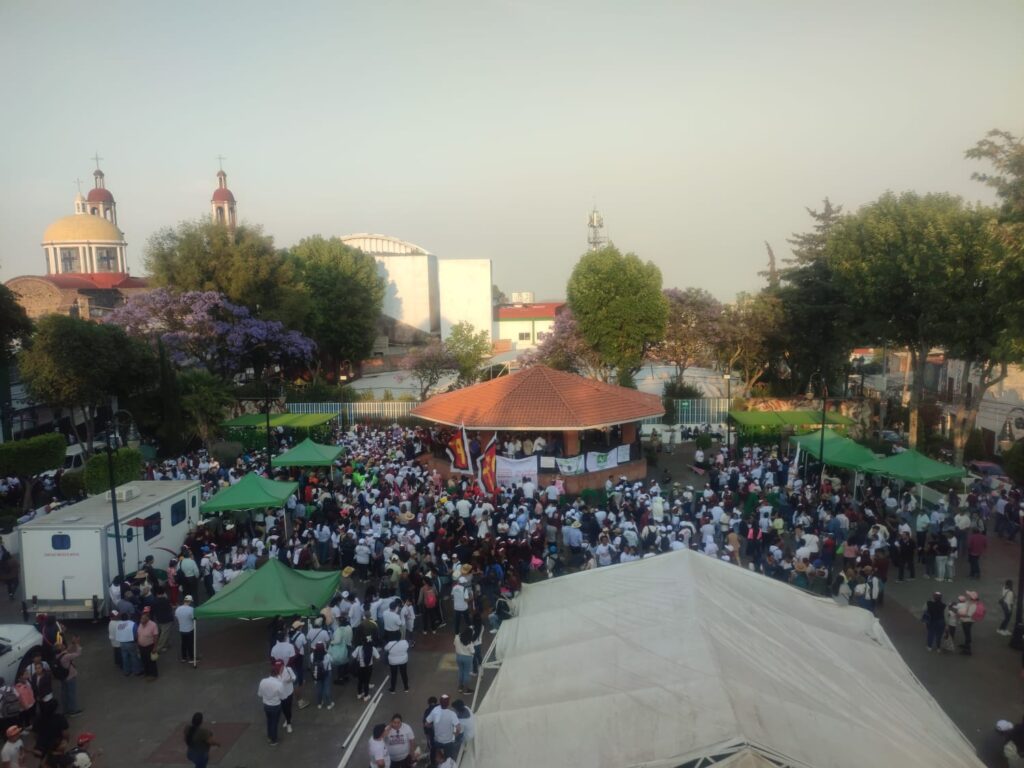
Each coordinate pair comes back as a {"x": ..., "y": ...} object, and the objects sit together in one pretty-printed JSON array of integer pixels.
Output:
[{"x": 69, "y": 557}]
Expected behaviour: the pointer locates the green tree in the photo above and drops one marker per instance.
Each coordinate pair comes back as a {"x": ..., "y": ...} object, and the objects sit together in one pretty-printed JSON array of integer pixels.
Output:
[
  {"x": 243, "y": 264},
  {"x": 469, "y": 349},
  {"x": 14, "y": 323},
  {"x": 24, "y": 459},
  {"x": 692, "y": 315},
  {"x": 79, "y": 366},
  {"x": 744, "y": 335},
  {"x": 619, "y": 307},
  {"x": 1005, "y": 153},
  {"x": 908, "y": 257},
  {"x": 205, "y": 400},
  {"x": 814, "y": 332},
  {"x": 345, "y": 294},
  {"x": 429, "y": 365},
  {"x": 498, "y": 296},
  {"x": 96, "y": 473}
]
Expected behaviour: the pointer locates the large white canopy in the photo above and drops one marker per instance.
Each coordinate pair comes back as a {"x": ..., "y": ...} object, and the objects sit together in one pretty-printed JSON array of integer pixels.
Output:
[{"x": 681, "y": 657}]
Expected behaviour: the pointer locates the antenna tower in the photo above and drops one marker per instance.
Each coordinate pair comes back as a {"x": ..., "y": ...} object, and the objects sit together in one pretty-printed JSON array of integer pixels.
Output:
[{"x": 595, "y": 230}]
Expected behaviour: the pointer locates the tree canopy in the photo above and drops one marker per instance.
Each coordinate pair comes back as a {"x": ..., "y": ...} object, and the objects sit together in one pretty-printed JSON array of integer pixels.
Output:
[
  {"x": 618, "y": 305},
  {"x": 469, "y": 350},
  {"x": 242, "y": 264},
  {"x": 14, "y": 322},
  {"x": 79, "y": 365},
  {"x": 693, "y": 316},
  {"x": 345, "y": 295},
  {"x": 565, "y": 349},
  {"x": 203, "y": 328}
]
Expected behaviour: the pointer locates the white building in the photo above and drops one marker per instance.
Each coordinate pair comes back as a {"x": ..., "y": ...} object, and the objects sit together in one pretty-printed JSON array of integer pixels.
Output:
[
  {"x": 426, "y": 294},
  {"x": 465, "y": 288},
  {"x": 525, "y": 326}
]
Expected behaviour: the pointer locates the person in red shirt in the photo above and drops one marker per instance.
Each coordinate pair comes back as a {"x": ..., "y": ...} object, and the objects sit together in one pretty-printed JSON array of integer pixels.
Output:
[{"x": 977, "y": 543}]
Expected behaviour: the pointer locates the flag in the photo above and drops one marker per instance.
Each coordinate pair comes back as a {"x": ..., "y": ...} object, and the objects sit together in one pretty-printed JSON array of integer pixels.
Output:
[
  {"x": 458, "y": 451},
  {"x": 489, "y": 466}
]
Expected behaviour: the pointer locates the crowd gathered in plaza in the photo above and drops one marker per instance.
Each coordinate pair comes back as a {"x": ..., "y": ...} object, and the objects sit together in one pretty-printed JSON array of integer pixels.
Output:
[{"x": 419, "y": 554}]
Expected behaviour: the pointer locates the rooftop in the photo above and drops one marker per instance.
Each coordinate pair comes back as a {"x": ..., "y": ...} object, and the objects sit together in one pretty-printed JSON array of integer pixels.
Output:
[
  {"x": 541, "y": 310},
  {"x": 540, "y": 398}
]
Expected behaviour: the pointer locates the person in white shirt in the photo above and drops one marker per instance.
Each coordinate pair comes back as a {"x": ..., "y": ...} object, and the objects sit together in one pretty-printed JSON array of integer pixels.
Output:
[
  {"x": 271, "y": 692},
  {"x": 379, "y": 757},
  {"x": 12, "y": 755},
  {"x": 446, "y": 727},
  {"x": 184, "y": 616},
  {"x": 401, "y": 743},
  {"x": 398, "y": 660}
]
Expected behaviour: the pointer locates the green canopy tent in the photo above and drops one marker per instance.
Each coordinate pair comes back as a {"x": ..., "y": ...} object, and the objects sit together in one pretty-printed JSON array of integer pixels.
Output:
[
  {"x": 251, "y": 492},
  {"x": 274, "y": 589},
  {"x": 915, "y": 467},
  {"x": 259, "y": 420},
  {"x": 308, "y": 454},
  {"x": 839, "y": 451}
]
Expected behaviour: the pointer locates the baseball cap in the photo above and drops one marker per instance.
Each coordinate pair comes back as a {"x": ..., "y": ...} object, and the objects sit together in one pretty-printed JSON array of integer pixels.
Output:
[
  {"x": 85, "y": 737},
  {"x": 188, "y": 598}
]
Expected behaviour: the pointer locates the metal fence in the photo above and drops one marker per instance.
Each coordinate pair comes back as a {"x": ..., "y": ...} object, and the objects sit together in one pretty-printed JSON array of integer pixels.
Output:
[
  {"x": 694, "y": 413},
  {"x": 353, "y": 412}
]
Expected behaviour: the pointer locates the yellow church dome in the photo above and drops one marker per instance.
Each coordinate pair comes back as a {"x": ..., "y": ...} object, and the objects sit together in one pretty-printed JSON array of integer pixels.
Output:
[{"x": 82, "y": 227}]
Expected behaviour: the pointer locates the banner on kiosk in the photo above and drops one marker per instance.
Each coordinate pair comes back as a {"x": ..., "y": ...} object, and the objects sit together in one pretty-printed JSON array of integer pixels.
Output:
[
  {"x": 599, "y": 462},
  {"x": 510, "y": 471},
  {"x": 576, "y": 465}
]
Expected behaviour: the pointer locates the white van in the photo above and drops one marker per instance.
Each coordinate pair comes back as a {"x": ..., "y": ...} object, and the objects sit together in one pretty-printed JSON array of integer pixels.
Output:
[{"x": 69, "y": 557}]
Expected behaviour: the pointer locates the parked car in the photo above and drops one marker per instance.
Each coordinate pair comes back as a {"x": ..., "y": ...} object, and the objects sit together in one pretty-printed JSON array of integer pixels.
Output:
[
  {"x": 18, "y": 643},
  {"x": 992, "y": 475}
]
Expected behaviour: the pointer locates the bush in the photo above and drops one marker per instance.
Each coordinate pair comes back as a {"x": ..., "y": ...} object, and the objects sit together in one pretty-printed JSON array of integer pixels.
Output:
[
  {"x": 24, "y": 458},
  {"x": 651, "y": 454},
  {"x": 703, "y": 441},
  {"x": 1013, "y": 462},
  {"x": 72, "y": 485},
  {"x": 975, "y": 450},
  {"x": 127, "y": 467},
  {"x": 682, "y": 390},
  {"x": 226, "y": 451}
]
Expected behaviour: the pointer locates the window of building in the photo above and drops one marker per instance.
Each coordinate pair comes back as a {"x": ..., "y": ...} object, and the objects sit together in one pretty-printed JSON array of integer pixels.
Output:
[
  {"x": 152, "y": 527},
  {"x": 69, "y": 260},
  {"x": 106, "y": 260},
  {"x": 524, "y": 336},
  {"x": 60, "y": 541},
  {"x": 94, "y": 211},
  {"x": 177, "y": 512}
]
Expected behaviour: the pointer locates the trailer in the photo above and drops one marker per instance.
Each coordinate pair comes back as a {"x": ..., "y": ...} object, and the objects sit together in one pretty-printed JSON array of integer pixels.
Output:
[{"x": 69, "y": 557}]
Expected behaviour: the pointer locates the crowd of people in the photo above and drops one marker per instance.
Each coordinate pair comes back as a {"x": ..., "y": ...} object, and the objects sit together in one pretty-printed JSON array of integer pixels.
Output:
[{"x": 418, "y": 553}]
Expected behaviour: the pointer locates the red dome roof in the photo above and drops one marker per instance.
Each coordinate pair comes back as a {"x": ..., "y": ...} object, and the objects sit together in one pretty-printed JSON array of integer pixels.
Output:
[
  {"x": 99, "y": 195},
  {"x": 223, "y": 195}
]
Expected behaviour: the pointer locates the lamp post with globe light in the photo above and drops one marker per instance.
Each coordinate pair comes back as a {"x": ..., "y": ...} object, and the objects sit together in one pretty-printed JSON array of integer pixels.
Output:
[{"x": 1006, "y": 442}]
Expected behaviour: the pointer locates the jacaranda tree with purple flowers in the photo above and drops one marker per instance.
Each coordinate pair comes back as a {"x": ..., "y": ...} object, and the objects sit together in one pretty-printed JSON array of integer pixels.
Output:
[{"x": 204, "y": 329}]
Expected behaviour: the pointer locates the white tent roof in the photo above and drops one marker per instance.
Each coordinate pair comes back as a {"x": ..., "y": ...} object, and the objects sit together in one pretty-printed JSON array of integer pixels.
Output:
[{"x": 680, "y": 657}]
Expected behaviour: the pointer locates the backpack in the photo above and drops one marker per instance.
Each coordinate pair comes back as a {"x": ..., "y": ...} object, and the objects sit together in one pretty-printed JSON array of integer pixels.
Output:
[
  {"x": 10, "y": 704},
  {"x": 318, "y": 670},
  {"x": 430, "y": 598},
  {"x": 58, "y": 670},
  {"x": 979, "y": 611}
]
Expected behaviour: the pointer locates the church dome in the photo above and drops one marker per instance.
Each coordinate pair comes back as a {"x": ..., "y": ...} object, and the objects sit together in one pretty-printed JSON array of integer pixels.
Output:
[
  {"x": 100, "y": 195},
  {"x": 80, "y": 228},
  {"x": 222, "y": 195}
]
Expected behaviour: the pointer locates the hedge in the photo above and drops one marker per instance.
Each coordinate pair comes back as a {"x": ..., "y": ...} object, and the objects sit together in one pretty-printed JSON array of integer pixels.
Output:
[{"x": 127, "y": 467}]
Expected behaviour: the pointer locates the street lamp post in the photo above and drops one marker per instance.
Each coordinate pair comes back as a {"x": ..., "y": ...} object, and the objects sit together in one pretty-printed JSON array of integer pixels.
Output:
[
  {"x": 1006, "y": 442},
  {"x": 111, "y": 436},
  {"x": 728, "y": 421},
  {"x": 821, "y": 446}
]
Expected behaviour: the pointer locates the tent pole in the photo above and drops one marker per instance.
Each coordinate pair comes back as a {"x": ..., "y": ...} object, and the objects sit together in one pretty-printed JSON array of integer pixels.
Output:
[{"x": 195, "y": 643}]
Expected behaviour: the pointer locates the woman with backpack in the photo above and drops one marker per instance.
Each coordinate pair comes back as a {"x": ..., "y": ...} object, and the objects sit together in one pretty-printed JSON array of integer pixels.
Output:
[
  {"x": 365, "y": 655},
  {"x": 320, "y": 670},
  {"x": 198, "y": 742},
  {"x": 429, "y": 603}
]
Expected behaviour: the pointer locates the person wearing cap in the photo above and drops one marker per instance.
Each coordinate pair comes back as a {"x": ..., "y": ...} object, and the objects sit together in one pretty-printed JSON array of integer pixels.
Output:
[
  {"x": 184, "y": 616},
  {"x": 462, "y": 595},
  {"x": 146, "y": 634},
  {"x": 271, "y": 692},
  {"x": 12, "y": 755},
  {"x": 112, "y": 637}
]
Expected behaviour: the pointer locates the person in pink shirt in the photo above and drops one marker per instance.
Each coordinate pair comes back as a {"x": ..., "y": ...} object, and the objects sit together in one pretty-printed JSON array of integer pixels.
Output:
[
  {"x": 147, "y": 634},
  {"x": 977, "y": 543}
]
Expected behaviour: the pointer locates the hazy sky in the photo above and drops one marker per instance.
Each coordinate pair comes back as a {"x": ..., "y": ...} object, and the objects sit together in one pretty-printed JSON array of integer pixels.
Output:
[{"x": 488, "y": 129}]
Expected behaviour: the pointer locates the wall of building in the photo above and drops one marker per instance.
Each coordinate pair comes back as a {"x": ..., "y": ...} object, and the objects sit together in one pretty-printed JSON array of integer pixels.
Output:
[
  {"x": 411, "y": 279},
  {"x": 465, "y": 293},
  {"x": 515, "y": 330}
]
